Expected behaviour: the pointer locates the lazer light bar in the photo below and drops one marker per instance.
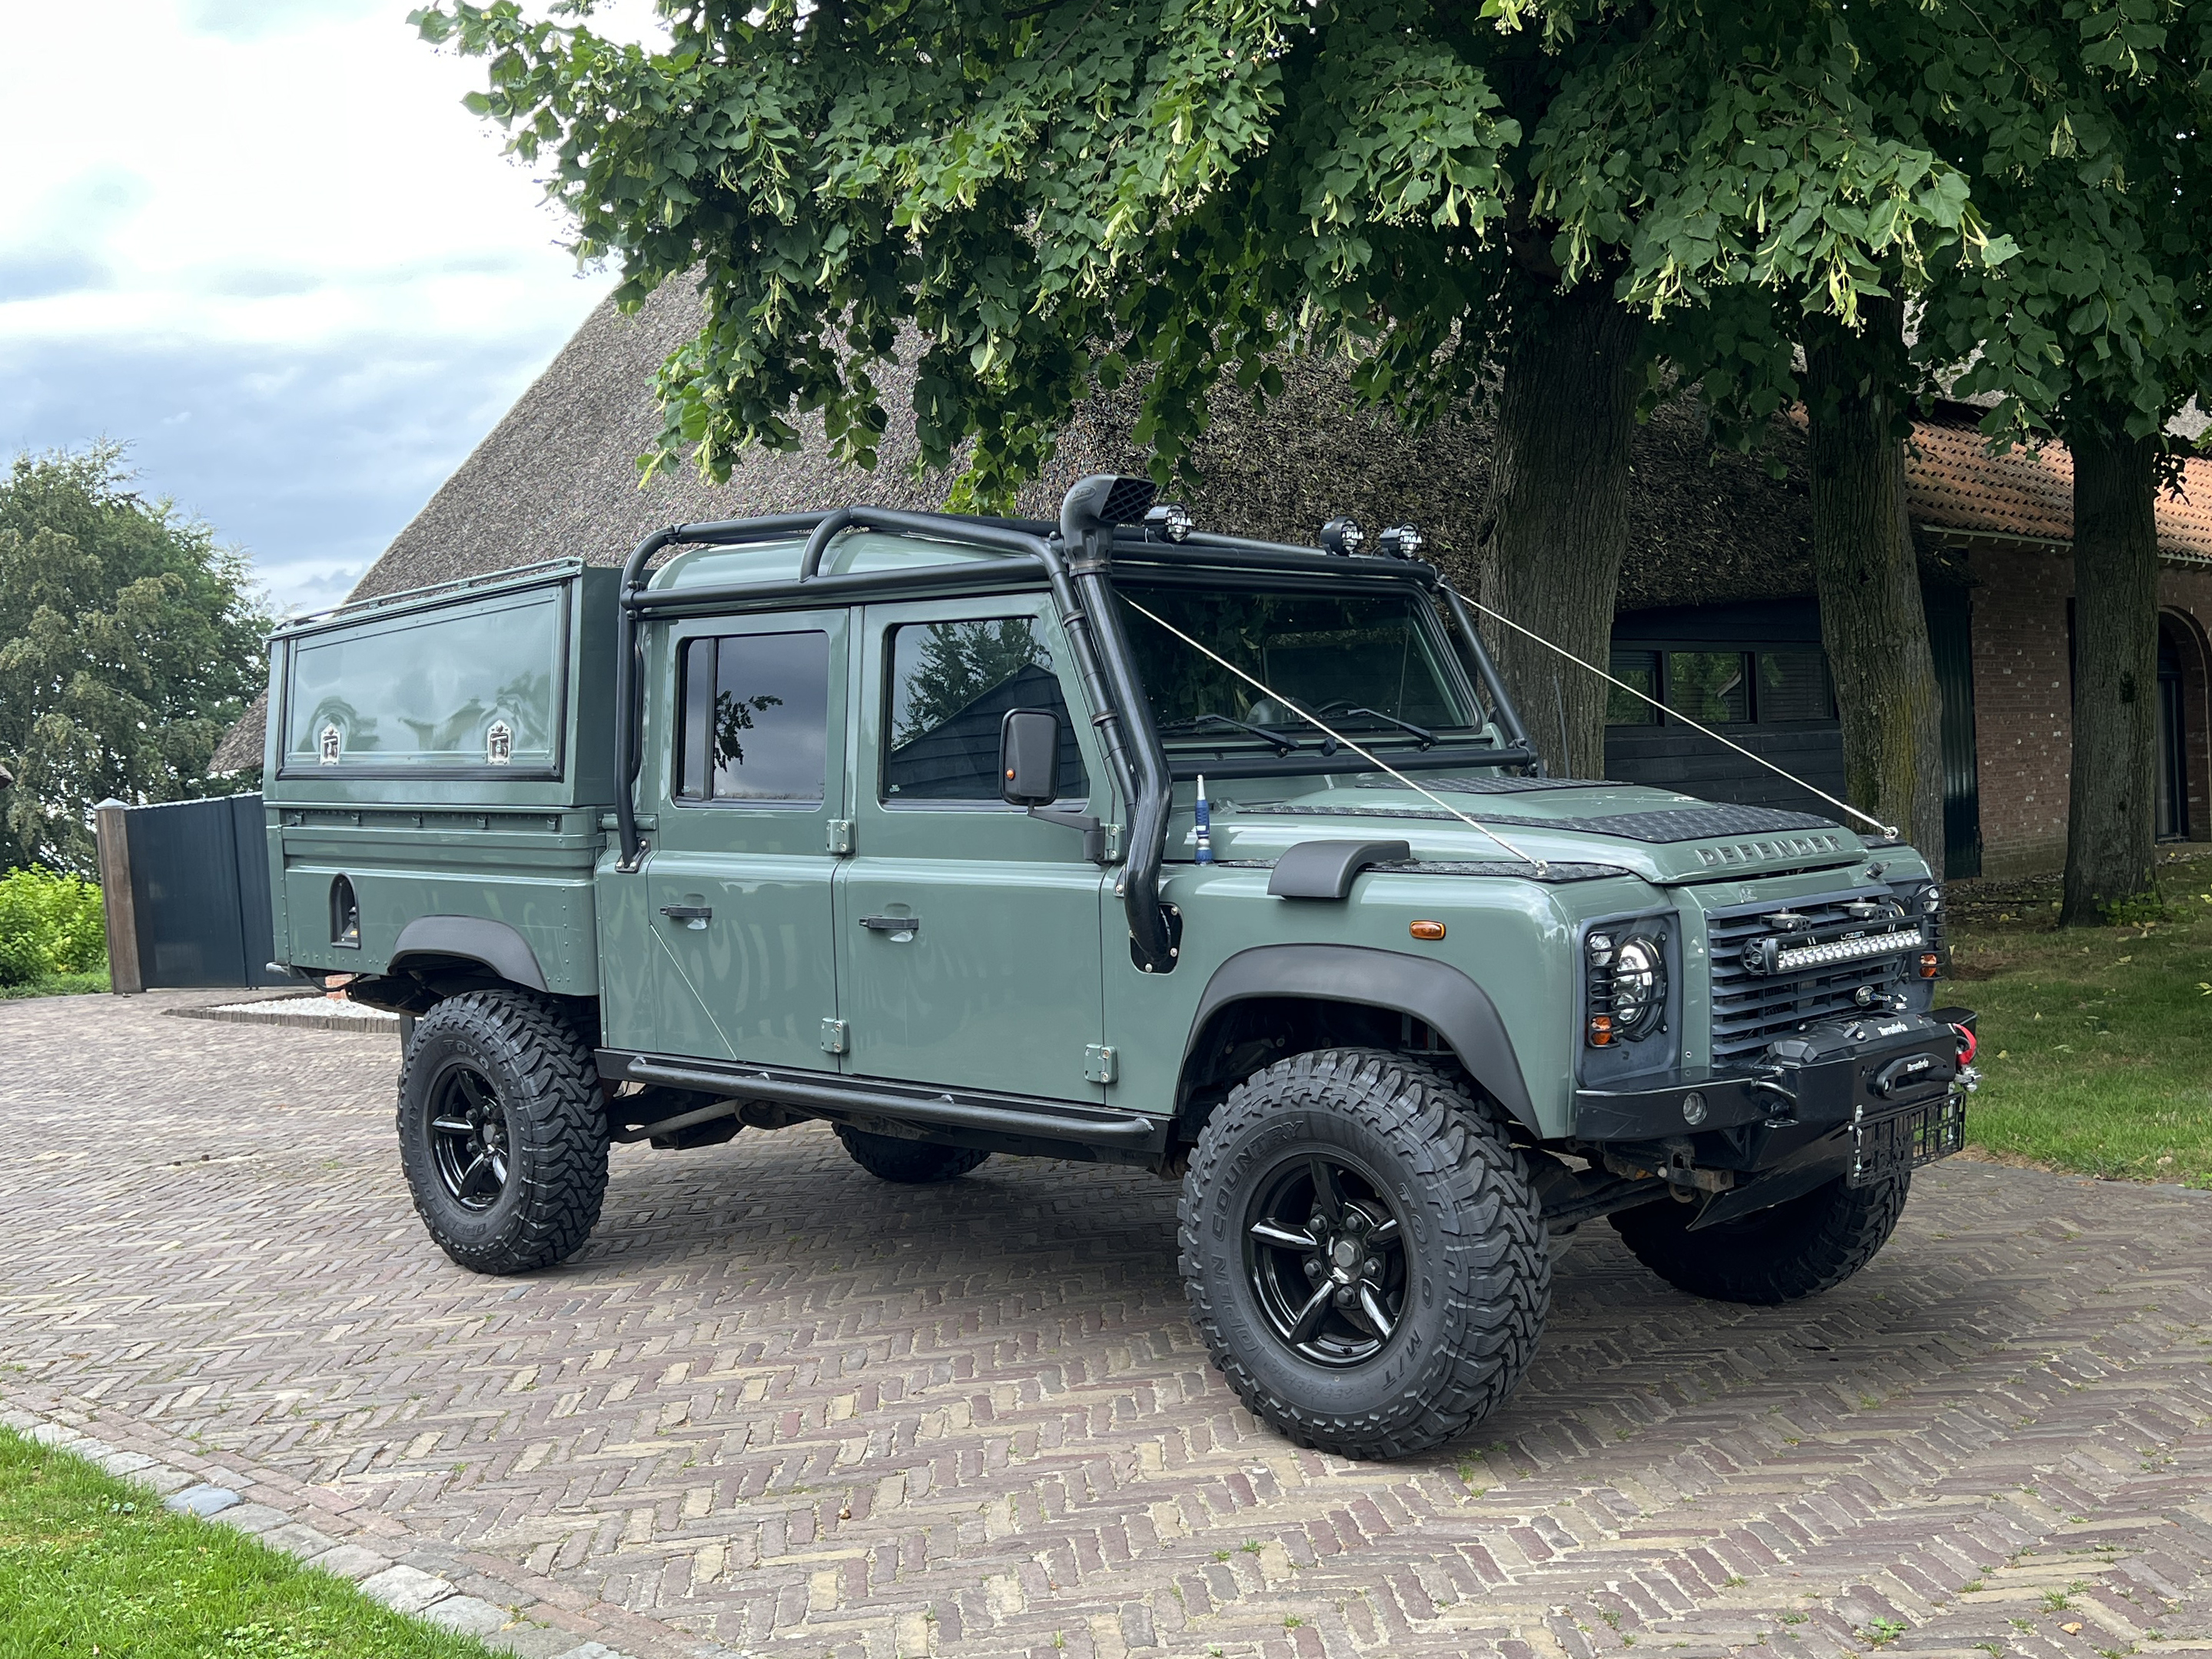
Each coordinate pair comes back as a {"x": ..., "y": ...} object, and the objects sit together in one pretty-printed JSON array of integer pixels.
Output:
[{"x": 1769, "y": 956}]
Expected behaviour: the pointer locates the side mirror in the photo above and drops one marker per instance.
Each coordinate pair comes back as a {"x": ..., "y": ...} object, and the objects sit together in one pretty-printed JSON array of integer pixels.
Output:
[{"x": 1029, "y": 756}]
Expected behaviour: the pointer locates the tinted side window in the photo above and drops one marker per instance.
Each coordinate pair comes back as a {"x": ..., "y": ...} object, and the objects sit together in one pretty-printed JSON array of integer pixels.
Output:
[
  {"x": 756, "y": 717},
  {"x": 950, "y": 686}
]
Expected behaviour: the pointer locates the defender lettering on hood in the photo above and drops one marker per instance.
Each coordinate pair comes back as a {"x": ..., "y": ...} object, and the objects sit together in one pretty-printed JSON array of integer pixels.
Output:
[{"x": 1767, "y": 852}]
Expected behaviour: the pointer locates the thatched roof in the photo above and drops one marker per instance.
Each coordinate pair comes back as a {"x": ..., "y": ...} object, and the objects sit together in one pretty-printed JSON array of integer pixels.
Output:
[{"x": 558, "y": 477}]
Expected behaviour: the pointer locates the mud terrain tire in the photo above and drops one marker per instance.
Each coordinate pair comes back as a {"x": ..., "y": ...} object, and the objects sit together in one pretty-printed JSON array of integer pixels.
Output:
[
  {"x": 1798, "y": 1248},
  {"x": 1409, "y": 1349},
  {"x": 502, "y": 1131}
]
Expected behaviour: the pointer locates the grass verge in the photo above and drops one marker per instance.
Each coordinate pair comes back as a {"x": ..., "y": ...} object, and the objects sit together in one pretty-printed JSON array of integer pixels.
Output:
[
  {"x": 2096, "y": 1042},
  {"x": 60, "y": 984},
  {"x": 92, "y": 1565}
]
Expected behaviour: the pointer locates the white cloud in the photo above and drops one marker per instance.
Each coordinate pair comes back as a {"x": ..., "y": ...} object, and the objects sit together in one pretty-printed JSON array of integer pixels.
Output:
[{"x": 271, "y": 222}]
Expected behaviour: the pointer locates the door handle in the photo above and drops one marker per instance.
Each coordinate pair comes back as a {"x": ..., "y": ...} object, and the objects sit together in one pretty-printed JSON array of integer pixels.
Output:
[
  {"x": 901, "y": 928},
  {"x": 692, "y": 915}
]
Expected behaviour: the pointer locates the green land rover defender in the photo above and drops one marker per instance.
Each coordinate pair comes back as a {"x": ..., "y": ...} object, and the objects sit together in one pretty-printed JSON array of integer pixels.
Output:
[{"x": 896, "y": 820}]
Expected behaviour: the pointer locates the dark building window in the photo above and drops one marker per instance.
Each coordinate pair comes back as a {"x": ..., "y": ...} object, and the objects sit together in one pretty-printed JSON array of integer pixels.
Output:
[
  {"x": 1641, "y": 670},
  {"x": 951, "y": 685},
  {"x": 1709, "y": 686},
  {"x": 755, "y": 719},
  {"x": 1722, "y": 688}
]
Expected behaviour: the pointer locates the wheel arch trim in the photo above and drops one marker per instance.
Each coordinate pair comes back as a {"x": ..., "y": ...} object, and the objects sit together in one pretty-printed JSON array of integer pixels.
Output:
[
  {"x": 493, "y": 944},
  {"x": 1436, "y": 993}
]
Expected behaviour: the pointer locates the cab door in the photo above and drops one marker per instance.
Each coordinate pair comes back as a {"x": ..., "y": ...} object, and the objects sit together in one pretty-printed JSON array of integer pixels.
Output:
[
  {"x": 969, "y": 934},
  {"x": 739, "y": 883}
]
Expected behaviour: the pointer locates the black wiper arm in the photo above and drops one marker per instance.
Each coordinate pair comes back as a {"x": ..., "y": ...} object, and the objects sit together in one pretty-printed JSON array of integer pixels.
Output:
[
  {"x": 1422, "y": 735},
  {"x": 1283, "y": 745}
]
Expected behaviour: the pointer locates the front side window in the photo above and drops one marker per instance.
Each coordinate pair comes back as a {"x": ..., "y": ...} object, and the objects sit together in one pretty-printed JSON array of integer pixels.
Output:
[
  {"x": 1363, "y": 663},
  {"x": 755, "y": 724},
  {"x": 952, "y": 686}
]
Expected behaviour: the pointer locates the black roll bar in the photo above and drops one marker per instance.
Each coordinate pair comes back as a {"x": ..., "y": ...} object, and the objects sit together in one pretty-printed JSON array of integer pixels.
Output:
[
  {"x": 1507, "y": 715},
  {"x": 632, "y": 586}
]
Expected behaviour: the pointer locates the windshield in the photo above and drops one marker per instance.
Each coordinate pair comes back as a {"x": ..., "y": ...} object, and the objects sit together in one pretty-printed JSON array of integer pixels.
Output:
[{"x": 1368, "y": 663}]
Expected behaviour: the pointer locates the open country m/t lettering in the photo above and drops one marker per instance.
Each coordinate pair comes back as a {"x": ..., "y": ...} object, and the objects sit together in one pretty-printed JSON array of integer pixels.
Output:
[{"x": 889, "y": 821}]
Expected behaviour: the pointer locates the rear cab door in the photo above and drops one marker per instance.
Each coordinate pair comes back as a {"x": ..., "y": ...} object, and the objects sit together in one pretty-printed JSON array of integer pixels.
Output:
[
  {"x": 969, "y": 933},
  {"x": 751, "y": 805}
]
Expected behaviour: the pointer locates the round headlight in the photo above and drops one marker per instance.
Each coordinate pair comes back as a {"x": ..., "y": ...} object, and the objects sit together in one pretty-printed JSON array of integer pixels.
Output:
[{"x": 1640, "y": 986}]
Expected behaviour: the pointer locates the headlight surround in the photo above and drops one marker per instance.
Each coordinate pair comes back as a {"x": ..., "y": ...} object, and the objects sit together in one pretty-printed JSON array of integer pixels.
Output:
[{"x": 1627, "y": 977}]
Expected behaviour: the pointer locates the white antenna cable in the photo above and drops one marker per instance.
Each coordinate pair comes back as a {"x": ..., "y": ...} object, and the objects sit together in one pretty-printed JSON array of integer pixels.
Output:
[
  {"x": 1887, "y": 829},
  {"x": 1366, "y": 755}
]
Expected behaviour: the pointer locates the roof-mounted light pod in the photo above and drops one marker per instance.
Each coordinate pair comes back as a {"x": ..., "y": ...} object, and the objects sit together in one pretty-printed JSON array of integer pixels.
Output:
[
  {"x": 1342, "y": 537},
  {"x": 1169, "y": 521},
  {"x": 1401, "y": 541}
]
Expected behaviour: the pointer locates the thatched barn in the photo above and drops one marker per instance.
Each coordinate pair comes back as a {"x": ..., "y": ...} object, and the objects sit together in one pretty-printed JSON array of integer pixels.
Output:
[{"x": 1717, "y": 616}]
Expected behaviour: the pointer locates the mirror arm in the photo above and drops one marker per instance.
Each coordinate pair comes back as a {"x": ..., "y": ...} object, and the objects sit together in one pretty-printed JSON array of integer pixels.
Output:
[{"x": 1094, "y": 833}]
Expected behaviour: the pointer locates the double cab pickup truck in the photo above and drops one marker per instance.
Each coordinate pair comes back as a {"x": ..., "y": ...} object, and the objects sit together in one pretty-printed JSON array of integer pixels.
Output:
[{"x": 1107, "y": 840}]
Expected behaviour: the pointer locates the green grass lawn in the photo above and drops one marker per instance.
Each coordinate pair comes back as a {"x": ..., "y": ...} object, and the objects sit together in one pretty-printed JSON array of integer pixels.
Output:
[
  {"x": 2096, "y": 1042},
  {"x": 92, "y": 1565},
  {"x": 59, "y": 985}
]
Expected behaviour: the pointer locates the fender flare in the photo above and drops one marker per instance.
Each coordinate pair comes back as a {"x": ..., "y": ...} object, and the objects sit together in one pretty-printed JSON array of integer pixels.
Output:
[
  {"x": 472, "y": 938},
  {"x": 1436, "y": 993}
]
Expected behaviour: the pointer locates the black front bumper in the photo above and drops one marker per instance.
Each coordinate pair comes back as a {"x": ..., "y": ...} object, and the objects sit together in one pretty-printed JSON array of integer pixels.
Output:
[{"x": 1867, "y": 1099}]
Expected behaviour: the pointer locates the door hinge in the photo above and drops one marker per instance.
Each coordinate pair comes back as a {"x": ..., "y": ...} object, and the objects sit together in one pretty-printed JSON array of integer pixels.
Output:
[
  {"x": 834, "y": 1036},
  {"x": 1113, "y": 849},
  {"x": 1101, "y": 1065},
  {"x": 840, "y": 835}
]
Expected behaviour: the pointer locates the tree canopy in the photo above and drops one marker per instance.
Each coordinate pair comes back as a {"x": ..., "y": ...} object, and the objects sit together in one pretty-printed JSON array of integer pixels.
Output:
[
  {"x": 1048, "y": 194},
  {"x": 130, "y": 641}
]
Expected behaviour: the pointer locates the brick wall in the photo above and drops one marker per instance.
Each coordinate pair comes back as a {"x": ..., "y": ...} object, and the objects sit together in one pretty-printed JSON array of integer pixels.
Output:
[{"x": 2022, "y": 701}]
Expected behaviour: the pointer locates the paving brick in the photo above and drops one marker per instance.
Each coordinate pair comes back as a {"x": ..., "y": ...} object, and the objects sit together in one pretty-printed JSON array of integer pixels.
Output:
[
  {"x": 253, "y": 1517},
  {"x": 405, "y": 1589},
  {"x": 203, "y": 1500},
  {"x": 467, "y": 1614},
  {"x": 776, "y": 1407},
  {"x": 351, "y": 1561}
]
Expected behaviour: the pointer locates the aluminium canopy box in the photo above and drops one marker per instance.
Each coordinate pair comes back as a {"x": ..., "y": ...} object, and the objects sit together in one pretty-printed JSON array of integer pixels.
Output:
[{"x": 445, "y": 752}]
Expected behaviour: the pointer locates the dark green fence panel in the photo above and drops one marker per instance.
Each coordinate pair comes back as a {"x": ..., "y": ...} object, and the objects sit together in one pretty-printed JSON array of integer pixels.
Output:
[{"x": 199, "y": 885}]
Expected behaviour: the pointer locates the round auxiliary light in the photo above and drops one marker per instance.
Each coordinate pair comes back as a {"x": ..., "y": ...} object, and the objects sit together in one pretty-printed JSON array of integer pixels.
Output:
[
  {"x": 1640, "y": 986},
  {"x": 1401, "y": 541},
  {"x": 1342, "y": 537},
  {"x": 1171, "y": 520}
]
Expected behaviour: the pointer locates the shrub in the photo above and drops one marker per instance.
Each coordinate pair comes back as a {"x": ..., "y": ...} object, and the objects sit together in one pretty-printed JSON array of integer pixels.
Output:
[{"x": 49, "y": 923}]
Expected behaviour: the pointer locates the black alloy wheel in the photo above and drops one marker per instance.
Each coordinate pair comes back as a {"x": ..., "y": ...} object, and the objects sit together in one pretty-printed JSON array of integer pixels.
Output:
[
  {"x": 502, "y": 1126},
  {"x": 1325, "y": 1251},
  {"x": 469, "y": 1137},
  {"x": 1364, "y": 1257}
]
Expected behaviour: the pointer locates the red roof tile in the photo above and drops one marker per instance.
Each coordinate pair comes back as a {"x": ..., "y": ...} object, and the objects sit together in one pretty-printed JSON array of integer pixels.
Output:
[{"x": 1954, "y": 483}]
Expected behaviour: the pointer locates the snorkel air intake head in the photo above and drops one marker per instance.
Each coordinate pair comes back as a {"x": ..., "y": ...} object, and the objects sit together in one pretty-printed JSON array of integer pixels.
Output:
[{"x": 1088, "y": 512}]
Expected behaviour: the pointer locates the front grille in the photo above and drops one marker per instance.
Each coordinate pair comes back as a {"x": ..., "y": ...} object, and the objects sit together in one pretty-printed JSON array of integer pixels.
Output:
[{"x": 1751, "y": 1010}]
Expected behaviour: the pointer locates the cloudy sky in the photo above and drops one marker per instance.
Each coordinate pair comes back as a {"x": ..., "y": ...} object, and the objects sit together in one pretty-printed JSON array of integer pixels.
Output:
[{"x": 260, "y": 241}]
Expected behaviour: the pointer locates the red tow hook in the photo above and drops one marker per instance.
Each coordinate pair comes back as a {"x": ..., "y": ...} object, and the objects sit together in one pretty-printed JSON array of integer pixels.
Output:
[{"x": 1967, "y": 1047}]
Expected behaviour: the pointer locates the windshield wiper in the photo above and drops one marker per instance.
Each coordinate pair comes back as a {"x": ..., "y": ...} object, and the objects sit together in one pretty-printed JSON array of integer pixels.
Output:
[
  {"x": 1283, "y": 745},
  {"x": 1422, "y": 735}
]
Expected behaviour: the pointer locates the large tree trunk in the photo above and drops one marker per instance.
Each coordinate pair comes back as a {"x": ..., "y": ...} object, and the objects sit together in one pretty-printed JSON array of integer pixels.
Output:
[
  {"x": 1872, "y": 621},
  {"x": 2109, "y": 831},
  {"x": 1556, "y": 524}
]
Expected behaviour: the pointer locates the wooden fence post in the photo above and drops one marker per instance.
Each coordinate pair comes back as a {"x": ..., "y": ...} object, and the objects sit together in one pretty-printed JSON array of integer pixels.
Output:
[{"x": 113, "y": 831}]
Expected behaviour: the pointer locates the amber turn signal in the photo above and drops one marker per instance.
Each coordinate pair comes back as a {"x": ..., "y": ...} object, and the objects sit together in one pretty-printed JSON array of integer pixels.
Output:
[
  {"x": 1427, "y": 930},
  {"x": 1928, "y": 965},
  {"x": 1600, "y": 1031}
]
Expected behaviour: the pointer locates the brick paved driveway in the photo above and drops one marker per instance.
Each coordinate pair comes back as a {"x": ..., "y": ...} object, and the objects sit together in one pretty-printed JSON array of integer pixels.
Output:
[{"x": 780, "y": 1407}]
